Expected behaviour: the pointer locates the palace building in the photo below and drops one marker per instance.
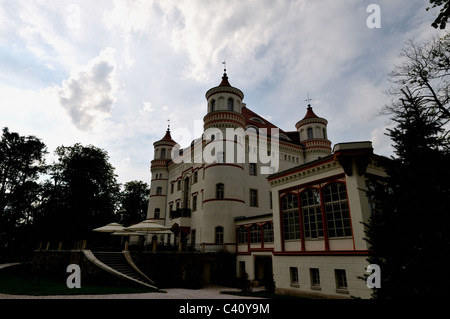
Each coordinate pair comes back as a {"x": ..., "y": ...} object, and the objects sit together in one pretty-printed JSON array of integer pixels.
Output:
[{"x": 285, "y": 202}]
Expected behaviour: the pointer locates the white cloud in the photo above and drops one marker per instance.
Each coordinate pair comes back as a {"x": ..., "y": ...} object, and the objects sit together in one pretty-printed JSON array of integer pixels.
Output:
[
  {"x": 89, "y": 94},
  {"x": 147, "y": 108},
  {"x": 169, "y": 52},
  {"x": 129, "y": 16}
]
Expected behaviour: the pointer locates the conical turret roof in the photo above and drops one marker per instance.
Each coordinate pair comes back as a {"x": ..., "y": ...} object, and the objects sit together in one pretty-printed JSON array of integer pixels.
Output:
[
  {"x": 310, "y": 113},
  {"x": 225, "y": 81},
  {"x": 167, "y": 139},
  {"x": 224, "y": 86}
]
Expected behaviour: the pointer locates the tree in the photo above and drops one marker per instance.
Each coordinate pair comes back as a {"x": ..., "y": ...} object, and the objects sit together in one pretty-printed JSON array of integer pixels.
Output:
[
  {"x": 134, "y": 202},
  {"x": 408, "y": 233},
  {"x": 441, "y": 19},
  {"x": 21, "y": 164},
  {"x": 426, "y": 72},
  {"x": 81, "y": 195}
]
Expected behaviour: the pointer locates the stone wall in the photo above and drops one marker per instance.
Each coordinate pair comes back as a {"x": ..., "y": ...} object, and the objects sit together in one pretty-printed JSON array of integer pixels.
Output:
[
  {"x": 53, "y": 263},
  {"x": 167, "y": 269},
  {"x": 190, "y": 270}
]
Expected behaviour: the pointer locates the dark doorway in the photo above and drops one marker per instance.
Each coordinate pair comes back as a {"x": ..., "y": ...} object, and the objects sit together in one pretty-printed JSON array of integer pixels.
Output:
[{"x": 263, "y": 268}]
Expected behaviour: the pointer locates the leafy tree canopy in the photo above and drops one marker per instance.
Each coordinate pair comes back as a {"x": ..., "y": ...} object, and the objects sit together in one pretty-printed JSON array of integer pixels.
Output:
[
  {"x": 134, "y": 202},
  {"x": 441, "y": 19}
]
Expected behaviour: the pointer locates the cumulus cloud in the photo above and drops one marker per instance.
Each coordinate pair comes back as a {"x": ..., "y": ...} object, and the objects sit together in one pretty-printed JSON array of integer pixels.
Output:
[
  {"x": 146, "y": 108},
  {"x": 90, "y": 92},
  {"x": 169, "y": 52}
]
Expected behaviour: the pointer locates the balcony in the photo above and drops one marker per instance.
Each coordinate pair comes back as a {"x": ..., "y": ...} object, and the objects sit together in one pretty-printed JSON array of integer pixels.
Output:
[{"x": 180, "y": 212}]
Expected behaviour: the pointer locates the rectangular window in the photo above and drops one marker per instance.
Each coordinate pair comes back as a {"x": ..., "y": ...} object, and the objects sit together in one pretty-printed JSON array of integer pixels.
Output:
[
  {"x": 337, "y": 212},
  {"x": 268, "y": 233},
  {"x": 291, "y": 220},
  {"x": 193, "y": 233},
  {"x": 194, "y": 203},
  {"x": 341, "y": 280},
  {"x": 195, "y": 177},
  {"x": 253, "y": 197},
  {"x": 270, "y": 200},
  {"x": 294, "y": 276},
  {"x": 171, "y": 188},
  {"x": 178, "y": 185},
  {"x": 312, "y": 213},
  {"x": 242, "y": 235},
  {"x": 219, "y": 235},
  {"x": 252, "y": 169},
  {"x": 255, "y": 234},
  {"x": 315, "y": 278}
]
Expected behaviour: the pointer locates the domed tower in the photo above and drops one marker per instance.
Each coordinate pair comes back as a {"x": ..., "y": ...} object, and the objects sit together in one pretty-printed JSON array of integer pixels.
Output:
[
  {"x": 223, "y": 196},
  {"x": 224, "y": 106},
  {"x": 159, "y": 169},
  {"x": 313, "y": 134}
]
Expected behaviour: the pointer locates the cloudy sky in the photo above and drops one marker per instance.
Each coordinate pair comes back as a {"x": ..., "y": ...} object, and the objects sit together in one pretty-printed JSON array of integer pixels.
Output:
[{"x": 111, "y": 73}]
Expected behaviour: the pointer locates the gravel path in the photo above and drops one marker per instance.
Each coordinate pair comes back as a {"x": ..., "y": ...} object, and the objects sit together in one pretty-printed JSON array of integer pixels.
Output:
[{"x": 209, "y": 292}]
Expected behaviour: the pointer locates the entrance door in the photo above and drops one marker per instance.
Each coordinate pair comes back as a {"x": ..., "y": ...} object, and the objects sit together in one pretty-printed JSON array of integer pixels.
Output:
[{"x": 263, "y": 268}]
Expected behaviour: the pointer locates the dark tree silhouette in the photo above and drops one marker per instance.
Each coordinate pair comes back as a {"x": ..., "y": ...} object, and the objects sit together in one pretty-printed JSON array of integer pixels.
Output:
[{"x": 21, "y": 164}]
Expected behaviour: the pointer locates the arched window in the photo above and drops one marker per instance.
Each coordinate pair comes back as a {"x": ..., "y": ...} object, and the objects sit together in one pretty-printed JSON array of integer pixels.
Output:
[
  {"x": 163, "y": 153},
  {"x": 219, "y": 235},
  {"x": 186, "y": 192},
  {"x": 310, "y": 133},
  {"x": 157, "y": 213},
  {"x": 158, "y": 190},
  {"x": 336, "y": 210},
  {"x": 213, "y": 105},
  {"x": 312, "y": 214},
  {"x": 220, "y": 189},
  {"x": 255, "y": 234},
  {"x": 220, "y": 157},
  {"x": 291, "y": 220},
  {"x": 230, "y": 104},
  {"x": 324, "y": 131}
]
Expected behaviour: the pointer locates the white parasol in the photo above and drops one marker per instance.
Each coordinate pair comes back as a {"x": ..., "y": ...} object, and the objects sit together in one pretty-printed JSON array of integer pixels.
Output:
[{"x": 110, "y": 228}]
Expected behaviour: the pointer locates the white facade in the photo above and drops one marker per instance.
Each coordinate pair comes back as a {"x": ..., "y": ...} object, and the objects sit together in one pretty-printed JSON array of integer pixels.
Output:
[
  {"x": 326, "y": 257},
  {"x": 232, "y": 204},
  {"x": 186, "y": 191}
]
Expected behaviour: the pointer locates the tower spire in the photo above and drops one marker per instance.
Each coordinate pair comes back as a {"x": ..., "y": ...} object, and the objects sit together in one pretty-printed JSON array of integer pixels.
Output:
[
  {"x": 308, "y": 99},
  {"x": 225, "y": 76}
]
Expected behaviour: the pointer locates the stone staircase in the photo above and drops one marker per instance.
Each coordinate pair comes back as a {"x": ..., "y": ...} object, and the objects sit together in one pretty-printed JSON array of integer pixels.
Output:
[{"x": 118, "y": 264}]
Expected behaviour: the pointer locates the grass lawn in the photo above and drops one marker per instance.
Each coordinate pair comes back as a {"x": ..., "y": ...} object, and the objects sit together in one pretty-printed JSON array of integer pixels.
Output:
[{"x": 18, "y": 280}]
